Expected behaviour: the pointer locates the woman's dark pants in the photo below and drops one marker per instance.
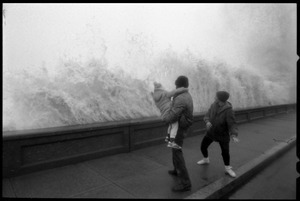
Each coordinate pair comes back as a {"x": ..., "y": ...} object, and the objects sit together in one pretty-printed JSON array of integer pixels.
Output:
[{"x": 224, "y": 147}]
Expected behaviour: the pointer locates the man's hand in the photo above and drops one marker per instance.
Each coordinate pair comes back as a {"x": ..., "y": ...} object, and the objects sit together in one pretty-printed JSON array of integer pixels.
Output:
[
  {"x": 208, "y": 125},
  {"x": 235, "y": 139}
]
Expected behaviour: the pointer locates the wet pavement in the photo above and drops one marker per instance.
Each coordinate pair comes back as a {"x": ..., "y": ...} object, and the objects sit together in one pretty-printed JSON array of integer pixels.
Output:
[
  {"x": 276, "y": 181},
  {"x": 143, "y": 173}
]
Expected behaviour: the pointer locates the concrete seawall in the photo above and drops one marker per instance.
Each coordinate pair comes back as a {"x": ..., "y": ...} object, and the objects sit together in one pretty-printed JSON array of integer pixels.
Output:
[
  {"x": 33, "y": 150},
  {"x": 143, "y": 173}
]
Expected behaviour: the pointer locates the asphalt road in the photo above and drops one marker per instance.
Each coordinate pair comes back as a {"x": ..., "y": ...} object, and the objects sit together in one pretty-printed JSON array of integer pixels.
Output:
[{"x": 276, "y": 181}]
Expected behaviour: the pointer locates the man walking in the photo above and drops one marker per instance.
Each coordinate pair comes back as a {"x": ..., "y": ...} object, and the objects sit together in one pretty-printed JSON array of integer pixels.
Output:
[
  {"x": 221, "y": 125},
  {"x": 181, "y": 111}
]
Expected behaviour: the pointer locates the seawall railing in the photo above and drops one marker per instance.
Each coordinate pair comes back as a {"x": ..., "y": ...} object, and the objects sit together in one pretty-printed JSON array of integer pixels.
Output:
[{"x": 39, "y": 149}]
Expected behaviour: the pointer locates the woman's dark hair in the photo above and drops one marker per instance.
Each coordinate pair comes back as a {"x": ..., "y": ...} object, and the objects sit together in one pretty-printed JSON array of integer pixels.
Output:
[{"x": 222, "y": 95}]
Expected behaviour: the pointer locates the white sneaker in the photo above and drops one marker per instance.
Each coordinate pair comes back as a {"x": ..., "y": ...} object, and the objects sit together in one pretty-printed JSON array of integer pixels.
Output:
[
  {"x": 228, "y": 170},
  {"x": 203, "y": 161},
  {"x": 173, "y": 145}
]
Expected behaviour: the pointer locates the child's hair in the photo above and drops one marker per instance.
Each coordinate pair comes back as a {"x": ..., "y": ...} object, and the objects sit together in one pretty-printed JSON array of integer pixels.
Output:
[{"x": 157, "y": 85}]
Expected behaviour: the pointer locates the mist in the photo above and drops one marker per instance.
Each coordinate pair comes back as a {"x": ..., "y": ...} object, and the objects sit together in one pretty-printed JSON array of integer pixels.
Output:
[{"x": 69, "y": 64}]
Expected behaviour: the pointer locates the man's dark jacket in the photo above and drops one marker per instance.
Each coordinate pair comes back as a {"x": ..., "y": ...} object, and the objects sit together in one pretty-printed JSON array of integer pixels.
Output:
[
  {"x": 223, "y": 122},
  {"x": 182, "y": 110}
]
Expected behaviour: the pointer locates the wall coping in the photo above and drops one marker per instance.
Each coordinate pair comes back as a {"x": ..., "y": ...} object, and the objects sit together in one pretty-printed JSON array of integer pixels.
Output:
[{"x": 63, "y": 130}]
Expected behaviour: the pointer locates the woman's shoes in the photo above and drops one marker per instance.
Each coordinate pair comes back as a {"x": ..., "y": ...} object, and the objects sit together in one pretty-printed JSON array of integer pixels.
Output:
[{"x": 203, "y": 161}]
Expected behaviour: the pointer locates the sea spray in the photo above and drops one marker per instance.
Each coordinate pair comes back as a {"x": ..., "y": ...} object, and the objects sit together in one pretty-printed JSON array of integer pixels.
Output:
[
  {"x": 102, "y": 67},
  {"x": 93, "y": 93}
]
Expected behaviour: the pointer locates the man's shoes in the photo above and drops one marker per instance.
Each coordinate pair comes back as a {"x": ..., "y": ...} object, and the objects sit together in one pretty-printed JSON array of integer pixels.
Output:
[
  {"x": 173, "y": 172},
  {"x": 228, "y": 170},
  {"x": 181, "y": 188},
  {"x": 203, "y": 161}
]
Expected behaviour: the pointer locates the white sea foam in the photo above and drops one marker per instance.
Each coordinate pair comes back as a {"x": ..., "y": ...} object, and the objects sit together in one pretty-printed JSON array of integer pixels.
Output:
[{"x": 71, "y": 64}]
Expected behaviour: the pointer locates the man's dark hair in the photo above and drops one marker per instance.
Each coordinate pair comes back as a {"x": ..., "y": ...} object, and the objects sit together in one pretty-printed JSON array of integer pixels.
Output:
[{"x": 182, "y": 81}]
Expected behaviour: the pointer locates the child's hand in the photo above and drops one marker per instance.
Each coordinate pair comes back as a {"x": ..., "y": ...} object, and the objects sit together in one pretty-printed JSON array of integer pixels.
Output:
[{"x": 156, "y": 85}]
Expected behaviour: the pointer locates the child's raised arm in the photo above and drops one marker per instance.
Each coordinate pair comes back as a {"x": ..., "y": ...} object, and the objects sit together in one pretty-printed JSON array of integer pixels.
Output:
[{"x": 176, "y": 91}]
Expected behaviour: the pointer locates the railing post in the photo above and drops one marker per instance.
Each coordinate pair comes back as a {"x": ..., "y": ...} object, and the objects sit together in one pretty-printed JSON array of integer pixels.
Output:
[
  {"x": 12, "y": 159},
  {"x": 131, "y": 138},
  {"x": 128, "y": 136},
  {"x": 248, "y": 116}
]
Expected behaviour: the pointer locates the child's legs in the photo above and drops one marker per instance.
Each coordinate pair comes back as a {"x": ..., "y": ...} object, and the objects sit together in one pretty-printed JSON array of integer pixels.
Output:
[
  {"x": 174, "y": 129},
  {"x": 169, "y": 129},
  {"x": 168, "y": 133}
]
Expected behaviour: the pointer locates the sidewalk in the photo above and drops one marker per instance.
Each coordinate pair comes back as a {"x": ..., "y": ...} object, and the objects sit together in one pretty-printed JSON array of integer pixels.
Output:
[{"x": 143, "y": 173}]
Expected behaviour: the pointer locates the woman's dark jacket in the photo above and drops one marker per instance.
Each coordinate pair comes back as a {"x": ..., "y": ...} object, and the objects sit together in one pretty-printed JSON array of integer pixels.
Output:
[{"x": 223, "y": 122}]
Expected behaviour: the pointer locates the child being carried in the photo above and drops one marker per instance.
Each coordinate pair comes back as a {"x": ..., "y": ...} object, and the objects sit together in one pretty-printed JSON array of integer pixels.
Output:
[{"x": 163, "y": 100}]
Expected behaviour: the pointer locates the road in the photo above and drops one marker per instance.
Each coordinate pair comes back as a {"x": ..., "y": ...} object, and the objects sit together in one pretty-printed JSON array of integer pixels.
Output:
[{"x": 276, "y": 181}]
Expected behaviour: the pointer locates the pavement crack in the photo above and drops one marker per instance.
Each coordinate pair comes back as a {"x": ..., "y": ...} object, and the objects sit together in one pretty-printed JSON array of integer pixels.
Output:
[
  {"x": 110, "y": 180},
  {"x": 89, "y": 190}
]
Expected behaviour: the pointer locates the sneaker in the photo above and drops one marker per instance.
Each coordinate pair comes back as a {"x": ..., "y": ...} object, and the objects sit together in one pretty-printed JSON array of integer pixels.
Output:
[
  {"x": 173, "y": 145},
  {"x": 203, "y": 161},
  {"x": 228, "y": 170}
]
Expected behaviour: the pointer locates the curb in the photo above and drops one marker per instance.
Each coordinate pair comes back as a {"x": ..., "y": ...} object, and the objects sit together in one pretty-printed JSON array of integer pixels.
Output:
[{"x": 225, "y": 185}]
